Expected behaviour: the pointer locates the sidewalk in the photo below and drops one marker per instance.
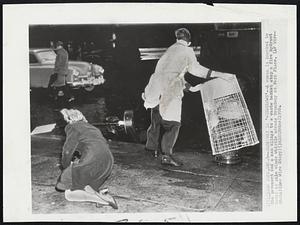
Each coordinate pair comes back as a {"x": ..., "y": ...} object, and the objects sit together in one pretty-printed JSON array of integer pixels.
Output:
[{"x": 141, "y": 184}]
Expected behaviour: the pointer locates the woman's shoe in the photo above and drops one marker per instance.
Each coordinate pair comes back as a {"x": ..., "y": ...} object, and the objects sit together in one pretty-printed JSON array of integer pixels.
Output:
[{"x": 108, "y": 198}]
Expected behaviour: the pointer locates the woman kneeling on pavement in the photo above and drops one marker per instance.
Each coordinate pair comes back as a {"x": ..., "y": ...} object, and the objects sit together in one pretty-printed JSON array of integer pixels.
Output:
[{"x": 86, "y": 161}]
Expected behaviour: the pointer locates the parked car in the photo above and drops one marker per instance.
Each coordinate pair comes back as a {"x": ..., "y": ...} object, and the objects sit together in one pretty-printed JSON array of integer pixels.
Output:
[
  {"x": 156, "y": 53},
  {"x": 81, "y": 74}
]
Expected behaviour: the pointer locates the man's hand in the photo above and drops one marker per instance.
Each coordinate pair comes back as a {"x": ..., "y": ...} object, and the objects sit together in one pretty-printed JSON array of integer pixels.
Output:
[
  {"x": 187, "y": 87},
  {"x": 52, "y": 79},
  {"x": 224, "y": 76},
  {"x": 196, "y": 88}
]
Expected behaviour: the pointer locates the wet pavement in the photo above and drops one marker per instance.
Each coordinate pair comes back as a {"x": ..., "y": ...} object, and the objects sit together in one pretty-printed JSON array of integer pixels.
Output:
[{"x": 141, "y": 184}]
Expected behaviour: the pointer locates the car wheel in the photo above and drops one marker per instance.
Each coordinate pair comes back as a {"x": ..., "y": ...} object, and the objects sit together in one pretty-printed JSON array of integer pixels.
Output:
[{"x": 89, "y": 88}]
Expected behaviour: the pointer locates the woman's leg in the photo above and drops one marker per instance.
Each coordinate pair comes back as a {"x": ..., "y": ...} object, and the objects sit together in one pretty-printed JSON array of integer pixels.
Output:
[
  {"x": 65, "y": 179},
  {"x": 84, "y": 196},
  {"x": 90, "y": 195}
]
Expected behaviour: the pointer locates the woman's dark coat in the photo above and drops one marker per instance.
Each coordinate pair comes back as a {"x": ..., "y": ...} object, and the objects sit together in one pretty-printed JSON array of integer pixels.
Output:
[{"x": 96, "y": 160}]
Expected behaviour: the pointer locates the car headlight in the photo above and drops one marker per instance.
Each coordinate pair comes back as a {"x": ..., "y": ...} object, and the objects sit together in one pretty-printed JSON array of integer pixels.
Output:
[{"x": 98, "y": 69}]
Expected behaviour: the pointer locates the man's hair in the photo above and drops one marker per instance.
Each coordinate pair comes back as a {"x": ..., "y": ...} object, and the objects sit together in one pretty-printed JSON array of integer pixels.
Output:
[
  {"x": 59, "y": 43},
  {"x": 183, "y": 34}
]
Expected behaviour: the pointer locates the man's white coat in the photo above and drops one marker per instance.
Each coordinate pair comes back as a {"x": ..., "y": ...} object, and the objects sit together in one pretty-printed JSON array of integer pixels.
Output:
[{"x": 166, "y": 84}]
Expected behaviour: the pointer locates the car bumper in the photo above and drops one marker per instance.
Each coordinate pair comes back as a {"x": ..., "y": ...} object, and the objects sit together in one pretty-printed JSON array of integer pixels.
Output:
[{"x": 92, "y": 81}]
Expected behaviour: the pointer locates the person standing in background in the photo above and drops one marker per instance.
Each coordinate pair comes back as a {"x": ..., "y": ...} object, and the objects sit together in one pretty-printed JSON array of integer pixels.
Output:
[
  {"x": 57, "y": 80},
  {"x": 71, "y": 50},
  {"x": 79, "y": 53}
]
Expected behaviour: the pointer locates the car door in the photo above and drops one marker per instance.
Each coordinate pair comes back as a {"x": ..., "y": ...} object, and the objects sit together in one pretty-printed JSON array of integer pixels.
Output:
[{"x": 39, "y": 73}]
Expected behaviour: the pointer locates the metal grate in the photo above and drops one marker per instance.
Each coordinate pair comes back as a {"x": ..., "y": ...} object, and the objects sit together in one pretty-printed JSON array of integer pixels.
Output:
[{"x": 229, "y": 122}]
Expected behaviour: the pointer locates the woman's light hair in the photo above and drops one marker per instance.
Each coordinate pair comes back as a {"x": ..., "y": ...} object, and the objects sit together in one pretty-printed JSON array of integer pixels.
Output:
[{"x": 72, "y": 115}]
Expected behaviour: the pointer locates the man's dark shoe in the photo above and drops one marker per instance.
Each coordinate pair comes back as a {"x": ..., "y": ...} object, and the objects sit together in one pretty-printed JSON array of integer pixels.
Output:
[
  {"x": 152, "y": 152},
  {"x": 168, "y": 160}
]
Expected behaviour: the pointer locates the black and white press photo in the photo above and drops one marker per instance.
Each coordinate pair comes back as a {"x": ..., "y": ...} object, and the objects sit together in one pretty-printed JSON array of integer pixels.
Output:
[
  {"x": 150, "y": 120},
  {"x": 163, "y": 117}
]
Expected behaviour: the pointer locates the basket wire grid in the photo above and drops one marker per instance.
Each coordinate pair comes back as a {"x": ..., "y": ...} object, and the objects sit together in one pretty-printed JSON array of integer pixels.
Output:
[{"x": 228, "y": 119}]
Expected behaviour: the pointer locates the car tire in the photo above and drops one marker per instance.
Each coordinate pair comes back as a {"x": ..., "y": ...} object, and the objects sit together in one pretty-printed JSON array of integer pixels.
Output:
[{"x": 89, "y": 88}]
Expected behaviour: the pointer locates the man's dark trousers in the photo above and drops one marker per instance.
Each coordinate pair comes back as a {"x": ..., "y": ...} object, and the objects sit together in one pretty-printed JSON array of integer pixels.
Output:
[{"x": 169, "y": 137}]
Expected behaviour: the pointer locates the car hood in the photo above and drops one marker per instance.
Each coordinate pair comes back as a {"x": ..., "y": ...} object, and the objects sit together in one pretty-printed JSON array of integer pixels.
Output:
[{"x": 83, "y": 67}]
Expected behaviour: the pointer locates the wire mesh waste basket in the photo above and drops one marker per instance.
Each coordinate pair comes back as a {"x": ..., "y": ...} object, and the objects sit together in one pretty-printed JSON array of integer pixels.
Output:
[{"x": 228, "y": 120}]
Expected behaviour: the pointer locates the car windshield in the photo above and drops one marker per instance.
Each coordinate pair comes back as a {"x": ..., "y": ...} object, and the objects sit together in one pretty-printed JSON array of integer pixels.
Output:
[{"x": 47, "y": 56}]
